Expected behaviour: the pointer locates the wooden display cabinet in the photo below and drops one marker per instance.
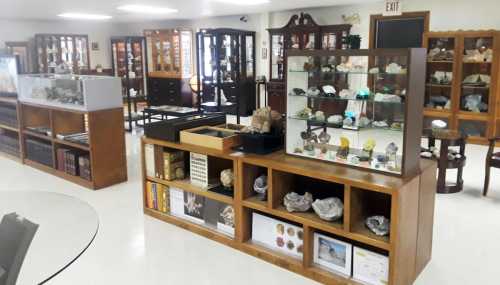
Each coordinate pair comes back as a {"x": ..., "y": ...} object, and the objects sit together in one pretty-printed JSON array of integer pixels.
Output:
[
  {"x": 170, "y": 66},
  {"x": 53, "y": 49},
  {"x": 301, "y": 32},
  {"x": 478, "y": 123},
  {"x": 408, "y": 202},
  {"x": 129, "y": 63},
  {"x": 10, "y": 142},
  {"x": 108, "y": 164}
]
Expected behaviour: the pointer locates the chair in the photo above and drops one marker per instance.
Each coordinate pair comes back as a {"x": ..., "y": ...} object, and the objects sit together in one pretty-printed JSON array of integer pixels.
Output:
[
  {"x": 492, "y": 160},
  {"x": 16, "y": 235}
]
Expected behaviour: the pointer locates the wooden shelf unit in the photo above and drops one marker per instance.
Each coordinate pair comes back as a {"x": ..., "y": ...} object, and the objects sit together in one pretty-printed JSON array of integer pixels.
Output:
[
  {"x": 13, "y": 129},
  {"x": 487, "y": 122},
  {"x": 409, "y": 202},
  {"x": 106, "y": 147}
]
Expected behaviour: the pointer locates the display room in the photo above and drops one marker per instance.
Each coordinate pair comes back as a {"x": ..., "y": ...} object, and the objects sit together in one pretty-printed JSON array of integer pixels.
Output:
[{"x": 343, "y": 142}]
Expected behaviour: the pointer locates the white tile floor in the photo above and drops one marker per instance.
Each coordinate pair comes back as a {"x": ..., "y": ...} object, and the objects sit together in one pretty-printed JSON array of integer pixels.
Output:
[{"x": 134, "y": 249}]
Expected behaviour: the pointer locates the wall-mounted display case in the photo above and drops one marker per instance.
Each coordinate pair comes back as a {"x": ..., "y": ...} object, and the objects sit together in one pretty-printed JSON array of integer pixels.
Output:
[
  {"x": 226, "y": 70},
  {"x": 55, "y": 49},
  {"x": 8, "y": 76},
  {"x": 461, "y": 87},
  {"x": 170, "y": 66},
  {"x": 301, "y": 33},
  {"x": 356, "y": 107},
  {"x": 82, "y": 93},
  {"x": 129, "y": 63},
  {"x": 23, "y": 52}
]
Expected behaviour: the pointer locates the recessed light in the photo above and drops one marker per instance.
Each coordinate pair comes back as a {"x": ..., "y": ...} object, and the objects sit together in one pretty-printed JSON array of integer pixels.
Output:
[
  {"x": 84, "y": 16},
  {"x": 143, "y": 9},
  {"x": 244, "y": 2}
]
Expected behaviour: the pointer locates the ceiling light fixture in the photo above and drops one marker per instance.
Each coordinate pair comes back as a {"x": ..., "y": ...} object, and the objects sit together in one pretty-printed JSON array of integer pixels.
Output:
[
  {"x": 143, "y": 9},
  {"x": 244, "y": 2},
  {"x": 84, "y": 16}
]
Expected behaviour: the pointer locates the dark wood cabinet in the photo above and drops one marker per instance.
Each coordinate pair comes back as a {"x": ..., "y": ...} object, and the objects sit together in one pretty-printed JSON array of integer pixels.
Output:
[
  {"x": 55, "y": 49},
  {"x": 226, "y": 65},
  {"x": 301, "y": 33},
  {"x": 169, "y": 91}
]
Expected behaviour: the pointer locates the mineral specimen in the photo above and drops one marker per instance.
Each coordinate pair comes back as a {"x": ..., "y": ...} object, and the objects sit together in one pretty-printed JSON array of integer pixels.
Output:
[
  {"x": 260, "y": 186},
  {"x": 329, "y": 209},
  {"x": 227, "y": 178},
  {"x": 297, "y": 203},
  {"x": 319, "y": 116},
  {"x": 329, "y": 90},
  {"x": 304, "y": 113},
  {"x": 313, "y": 92},
  {"x": 324, "y": 137},
  {"x": 379, "y": 225}
]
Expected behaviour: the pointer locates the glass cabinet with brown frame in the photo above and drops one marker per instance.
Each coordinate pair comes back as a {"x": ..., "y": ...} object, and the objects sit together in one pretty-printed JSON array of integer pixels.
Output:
[
  {"x": 170, "y": 66},
  {"x": 461, "y": 87},
  {"x": 53, "y": 50},
  {"x": 301, "y": 33},
  {"x": 129, "y": 63}
]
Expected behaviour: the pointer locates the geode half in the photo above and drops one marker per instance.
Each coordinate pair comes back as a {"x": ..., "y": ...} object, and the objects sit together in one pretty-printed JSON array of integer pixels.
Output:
[
  {"x": 329, "y": 209},
  {"x": 379, "y": 225},
  {"x": 297, "y": 203}
]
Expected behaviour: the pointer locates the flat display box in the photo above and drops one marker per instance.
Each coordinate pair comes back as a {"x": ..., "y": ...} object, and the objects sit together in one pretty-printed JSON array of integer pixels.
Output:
[
  {"x": 211, "y": 137},
  {"x": 75, "y": 92}
]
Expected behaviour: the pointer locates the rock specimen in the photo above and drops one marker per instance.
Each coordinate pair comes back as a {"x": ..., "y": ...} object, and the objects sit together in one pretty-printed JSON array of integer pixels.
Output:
[
  {"x": 305, "y": 113},
  {"x": 438, "y": 124},
  {"x": 260, "y": 186},
  {"x": 313, "y": 92},
  {"x": 263, "y": 120},
  {"x": 364, "y": 122},
  {"x": 297, "y": 92},
  {"x": 336, "y": 119},
  {"x": 343, "y": 150},
  {"x": 227, "y": 178},
  {"x": 329, "y": 209},
  {"x": 367, "y": 152},
  {"x": 297, "y": 203},
  {"x": 379, "y": 225},
  {"x": 324, "y": 137},
  {"x": 329, "y": 90},
  {"x": 347, "y": 94},
  {"x": 319, "y": 116}
]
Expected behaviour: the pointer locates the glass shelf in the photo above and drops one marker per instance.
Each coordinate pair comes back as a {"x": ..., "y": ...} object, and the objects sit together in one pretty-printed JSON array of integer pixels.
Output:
[
  {"x": 351, "y": 73},
  {"x": 314, "y": 122},
  {"x": 369, "y": 100}
]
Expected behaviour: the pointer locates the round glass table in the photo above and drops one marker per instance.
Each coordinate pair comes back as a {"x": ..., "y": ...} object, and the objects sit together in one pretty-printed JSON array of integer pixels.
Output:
[{"x": 65, "y": 227}]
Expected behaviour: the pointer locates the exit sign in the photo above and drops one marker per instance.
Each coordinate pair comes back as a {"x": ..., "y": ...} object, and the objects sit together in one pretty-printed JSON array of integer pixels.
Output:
[{"x": 393, "y": 8}]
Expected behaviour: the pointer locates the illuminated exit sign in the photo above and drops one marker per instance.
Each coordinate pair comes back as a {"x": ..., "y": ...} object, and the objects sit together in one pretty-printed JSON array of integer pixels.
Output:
[{"x": 393, "y": 8}]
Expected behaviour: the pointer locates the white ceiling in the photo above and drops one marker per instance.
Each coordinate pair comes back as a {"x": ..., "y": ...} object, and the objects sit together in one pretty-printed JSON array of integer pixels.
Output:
[{"x": 188, "y": 9}]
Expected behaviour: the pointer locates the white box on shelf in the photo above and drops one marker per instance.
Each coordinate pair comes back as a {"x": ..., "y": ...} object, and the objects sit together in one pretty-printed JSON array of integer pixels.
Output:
[
  {"x": 333, "y": 255},
  {"x": 177, "y": 202},
  {"x": 75, "y": 92},
  {"x": 277, "y": 235},
  {"x": 370, "y": 267},
  {"x": 199, "y": 169}
]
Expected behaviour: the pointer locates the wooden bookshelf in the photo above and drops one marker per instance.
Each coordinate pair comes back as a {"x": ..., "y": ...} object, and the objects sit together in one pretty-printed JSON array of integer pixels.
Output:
[
  {"x": 457, "y": 118},
  {"x": 409, "y": 202},
  {"x": 13, "y": 130},
  {"x": 106, "y": 148}
]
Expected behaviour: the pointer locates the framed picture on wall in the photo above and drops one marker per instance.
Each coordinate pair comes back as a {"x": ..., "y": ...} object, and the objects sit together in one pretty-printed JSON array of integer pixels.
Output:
[
  {"x": 332, "y": 254},
  {"x": 95, "y": 46}
]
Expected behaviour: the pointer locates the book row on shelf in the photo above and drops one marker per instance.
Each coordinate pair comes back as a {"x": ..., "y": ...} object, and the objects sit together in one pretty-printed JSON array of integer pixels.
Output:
[{"x": 190, "y": 207}]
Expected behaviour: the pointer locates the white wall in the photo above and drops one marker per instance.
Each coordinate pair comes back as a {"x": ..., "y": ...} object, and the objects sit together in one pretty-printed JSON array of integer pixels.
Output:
[
  {"x": 12, "y": 30},
  {"x": 445, "y": 15}
]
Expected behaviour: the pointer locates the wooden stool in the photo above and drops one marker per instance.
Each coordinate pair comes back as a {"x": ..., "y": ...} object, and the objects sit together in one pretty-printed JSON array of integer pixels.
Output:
[
  {"x": 492, "y": 160},
  {"x": 448, "y": 139}
]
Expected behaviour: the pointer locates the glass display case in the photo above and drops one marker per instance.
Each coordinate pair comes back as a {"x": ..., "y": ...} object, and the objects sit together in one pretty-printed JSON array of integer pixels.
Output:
[
  {"x": 169, "y": 53},
  {"x": 81, "y": 93},
  {"x": 476, "y": 74},
  {"x": 8, "y": 76},
  {"x": 440, "y": 73},
  {"x": 226, "y": 70},
  {"x": 301, "y": 33},
  {"x": 461, "y": 87},
  {"x": 129, "y": 64},
  {"x": 53, "y": 50},
  {"x": 357, "y": 107},
  {"x": 23, "y": 52}
]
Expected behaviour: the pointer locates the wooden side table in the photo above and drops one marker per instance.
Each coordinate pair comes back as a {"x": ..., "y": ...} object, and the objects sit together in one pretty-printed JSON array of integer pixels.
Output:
[{"x": 448, "y": 139}]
